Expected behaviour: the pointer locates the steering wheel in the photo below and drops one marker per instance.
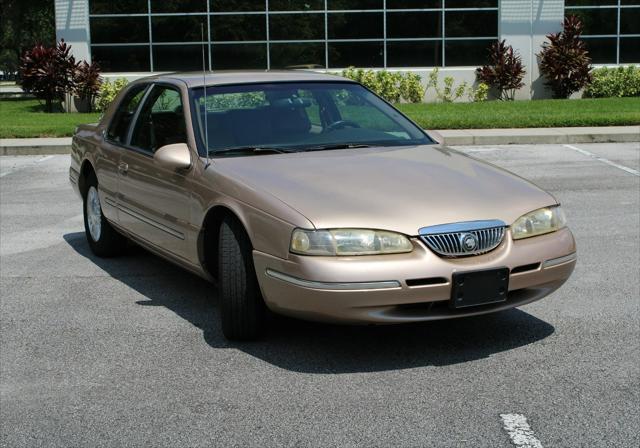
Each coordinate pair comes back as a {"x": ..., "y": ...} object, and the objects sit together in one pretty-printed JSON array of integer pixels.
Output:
[{"x": 341, "y": 124}]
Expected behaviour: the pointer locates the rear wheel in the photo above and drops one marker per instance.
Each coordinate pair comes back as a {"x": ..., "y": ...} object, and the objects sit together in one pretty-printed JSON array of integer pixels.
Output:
[
  {"x": 103, "y": 239},
  {"x": 241, "y": 305}
]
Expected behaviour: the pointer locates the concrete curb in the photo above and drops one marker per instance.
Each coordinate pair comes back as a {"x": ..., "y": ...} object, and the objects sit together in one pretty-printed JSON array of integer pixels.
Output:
[{"x": 452, "y": 137}]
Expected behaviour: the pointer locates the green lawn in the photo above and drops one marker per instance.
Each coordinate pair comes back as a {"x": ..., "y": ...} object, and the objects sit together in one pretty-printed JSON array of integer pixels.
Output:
[
  {"x": 526, "y": 114},
  {"x": 25, "y": 118}
]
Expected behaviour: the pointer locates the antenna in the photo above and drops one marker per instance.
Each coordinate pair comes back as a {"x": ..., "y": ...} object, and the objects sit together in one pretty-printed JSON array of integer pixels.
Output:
[{"x": 204, "y": 88}]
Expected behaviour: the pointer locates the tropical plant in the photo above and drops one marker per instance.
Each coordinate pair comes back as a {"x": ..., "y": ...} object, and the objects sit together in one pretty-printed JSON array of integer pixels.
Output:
[
  {"x": 504, "y": 71},
  {"x": 87, "y": 81},
  {"x": 614, "y": 82},
  {"x": 108, "y": 92},
  {"x": 565, "y": 61},
  {"x": 48, "y": 72},
  {"x": 449, "y": 92}
]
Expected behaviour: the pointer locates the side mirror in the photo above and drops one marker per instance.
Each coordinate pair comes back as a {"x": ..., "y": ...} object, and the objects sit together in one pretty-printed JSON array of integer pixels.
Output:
[{"x": 173, "y": 157}]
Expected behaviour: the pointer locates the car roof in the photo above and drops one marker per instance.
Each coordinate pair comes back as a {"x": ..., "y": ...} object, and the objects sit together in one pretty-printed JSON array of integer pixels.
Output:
[{"x": 213, "y": 78}]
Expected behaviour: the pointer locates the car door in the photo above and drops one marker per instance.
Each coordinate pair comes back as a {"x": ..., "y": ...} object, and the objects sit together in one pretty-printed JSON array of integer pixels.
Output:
[
  {"x": 153, "y": 201},
  {"x": 115, "y": 137}
]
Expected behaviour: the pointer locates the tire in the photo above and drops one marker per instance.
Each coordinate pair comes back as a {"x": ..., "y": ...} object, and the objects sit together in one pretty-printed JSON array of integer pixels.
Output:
[
  {"x": 242, "y": 308},
  {"x": 103, "y": 239}
]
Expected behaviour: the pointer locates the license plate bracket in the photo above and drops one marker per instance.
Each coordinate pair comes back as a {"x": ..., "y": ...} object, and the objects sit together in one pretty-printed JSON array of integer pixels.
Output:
[{"x": 477, "y": 288}]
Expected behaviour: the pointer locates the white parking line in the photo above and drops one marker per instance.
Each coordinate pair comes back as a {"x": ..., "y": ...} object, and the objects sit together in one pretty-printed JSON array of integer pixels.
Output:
[
  {"x": 519, "y": 430},
  {"x": 45, "y": 159},
  {"x": 603, "y": 160}
]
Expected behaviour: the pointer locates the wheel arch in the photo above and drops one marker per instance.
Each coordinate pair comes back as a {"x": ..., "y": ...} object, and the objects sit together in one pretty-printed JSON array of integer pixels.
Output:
[
  {"x": 209, "y": 234},
  {"x": 85, "y": 171}
]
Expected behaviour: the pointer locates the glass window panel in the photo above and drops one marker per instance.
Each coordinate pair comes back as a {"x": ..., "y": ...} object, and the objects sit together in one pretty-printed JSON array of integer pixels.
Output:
[
  {"x": 239, "y": 56},
  {"x": 630, "y": 2},
  {"x": 117, "y": 6},
  {"x": 590, "y": 2},
  {"x": 602, "y": 50},
  {"x": 449, "y": 4},
  {"x": 161, "y": 120},
  {"x": 296, "y": 26},
  {"x": 122, "y": 59},
  {"x": 466, "y": 52},
  {"x": 414, "y": 24},
  {"x": 414, "y": 54},
  {"x": 303, "y": 55},
  {"x": 119, "y": 30},
  {"x": 179, "y": 57},
  {"x": 355, "y": 25},
  {"x": 119, "y": 126},
  {"x": 630, "y": 50},
  {"x": 167, "y": 6},
  {"x": 341, "y": 5},
  {"x": 413, "y": 4},
  {"x": 597, "y": 21},
  {"x": 178, "y": 28},
  {"x": 471, "y": 24},
  {"x": 630, "y": 21},
  {"x": 357, "y": 54},
  {"x": 295, "y": 5},
  {"x": 239, "y": 27},
  {"x": 237, "y": 5}
]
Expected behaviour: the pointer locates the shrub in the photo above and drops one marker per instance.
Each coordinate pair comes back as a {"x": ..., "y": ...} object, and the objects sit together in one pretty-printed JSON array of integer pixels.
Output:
[
  {"x": 478, "y": 94},
  {"x": 504, "y": 71},
  {"x": 565, "y": 61},
  {"x": 87, "y": 81},
  {"x": 610, "y": 82},
  {"x": 411, "y": 88},
  {"x": 48, "y": 72},
  {"x": 449, "y": 92},
  {"x": 108, "y": 91},
  {"x": 391, "y": 86}
]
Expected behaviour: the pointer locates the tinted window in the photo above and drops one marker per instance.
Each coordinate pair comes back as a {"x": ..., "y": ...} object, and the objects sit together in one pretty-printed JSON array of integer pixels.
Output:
[
  {"x": 298, "y": 116},
  {"x": 296, "y": 26},
  {"x": 178, "y": 28},
  {"x": 119, "y": 126},
  {"x": 122, "y": 59},
  {"x": 161, "y": 121},
  {"x": 238, "y": 56},
  {"x": 297, "y": 55},
  {"x": 119, "y": 30}
]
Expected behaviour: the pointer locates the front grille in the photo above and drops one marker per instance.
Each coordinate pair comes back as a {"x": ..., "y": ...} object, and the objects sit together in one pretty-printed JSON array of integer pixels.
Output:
[{"x": 464, "y": 238}]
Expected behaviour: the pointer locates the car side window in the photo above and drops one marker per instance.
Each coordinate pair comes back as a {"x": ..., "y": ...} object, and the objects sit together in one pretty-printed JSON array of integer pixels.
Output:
[
  {"x": 119, "y": 127},
  {"x": 161, "y": 120}
]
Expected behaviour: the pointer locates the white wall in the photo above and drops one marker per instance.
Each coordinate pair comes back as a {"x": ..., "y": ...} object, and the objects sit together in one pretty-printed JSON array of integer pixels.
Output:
[{"x": 72, "y": 25}]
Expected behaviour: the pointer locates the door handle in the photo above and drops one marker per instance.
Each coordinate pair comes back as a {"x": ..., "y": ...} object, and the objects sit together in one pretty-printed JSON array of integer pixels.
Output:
[{"x": 123, "y": 167}]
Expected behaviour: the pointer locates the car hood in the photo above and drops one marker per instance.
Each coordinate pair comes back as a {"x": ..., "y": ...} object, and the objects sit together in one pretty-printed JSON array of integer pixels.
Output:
[{"x": 400, "y": 189}]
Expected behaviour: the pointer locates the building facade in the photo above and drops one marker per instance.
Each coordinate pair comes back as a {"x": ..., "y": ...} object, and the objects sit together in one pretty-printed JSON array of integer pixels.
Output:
[{"x": 134, "y": 37}]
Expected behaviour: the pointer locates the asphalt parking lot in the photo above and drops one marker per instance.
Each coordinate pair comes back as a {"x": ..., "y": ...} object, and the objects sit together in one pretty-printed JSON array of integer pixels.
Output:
[{"x": 128, "y": 352}]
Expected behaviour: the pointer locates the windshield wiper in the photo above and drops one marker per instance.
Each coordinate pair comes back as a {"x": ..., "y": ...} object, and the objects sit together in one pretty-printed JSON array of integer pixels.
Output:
[
  {"x": 251, "y": 150},
  {"x": 334, "y": 146}
]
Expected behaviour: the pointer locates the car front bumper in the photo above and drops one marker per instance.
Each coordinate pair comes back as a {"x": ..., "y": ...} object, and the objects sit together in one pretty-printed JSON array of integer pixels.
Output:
[{"x": 408, "y": 287}]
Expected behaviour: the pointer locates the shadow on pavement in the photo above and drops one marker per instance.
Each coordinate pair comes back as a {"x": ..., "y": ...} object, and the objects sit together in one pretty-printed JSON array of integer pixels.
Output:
[{"x": 320, "y": 348}]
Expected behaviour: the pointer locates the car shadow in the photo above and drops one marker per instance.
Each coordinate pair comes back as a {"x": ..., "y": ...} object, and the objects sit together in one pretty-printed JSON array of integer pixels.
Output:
[{"x": 320, "y": 348}]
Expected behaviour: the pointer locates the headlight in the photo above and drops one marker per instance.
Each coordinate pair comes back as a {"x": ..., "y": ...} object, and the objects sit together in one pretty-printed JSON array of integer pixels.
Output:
[
  {"x": 348, "y": 242},
  {"x": 539, "y": 222}
]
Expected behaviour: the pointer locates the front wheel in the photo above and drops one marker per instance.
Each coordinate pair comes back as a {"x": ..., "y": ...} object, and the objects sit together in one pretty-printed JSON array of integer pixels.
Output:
[
  {"x": 241, "y": 305},
  {"x": 103, "y": 239}
]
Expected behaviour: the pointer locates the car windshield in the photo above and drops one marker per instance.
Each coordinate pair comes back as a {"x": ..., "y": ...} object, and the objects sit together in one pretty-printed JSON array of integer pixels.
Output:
[{"x": 286, "y": 117}]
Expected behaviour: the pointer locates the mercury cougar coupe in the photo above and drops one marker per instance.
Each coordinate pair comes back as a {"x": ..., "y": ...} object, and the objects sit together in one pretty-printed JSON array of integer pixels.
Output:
[{"x": 308, "y": 195}]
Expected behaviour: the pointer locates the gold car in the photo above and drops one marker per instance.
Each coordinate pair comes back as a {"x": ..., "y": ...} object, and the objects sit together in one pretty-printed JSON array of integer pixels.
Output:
[{"x": 308, "y": 195}]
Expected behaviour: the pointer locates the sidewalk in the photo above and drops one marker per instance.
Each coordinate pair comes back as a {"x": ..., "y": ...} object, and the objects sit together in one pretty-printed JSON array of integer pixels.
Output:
[{"x": 452, "y": 137}]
